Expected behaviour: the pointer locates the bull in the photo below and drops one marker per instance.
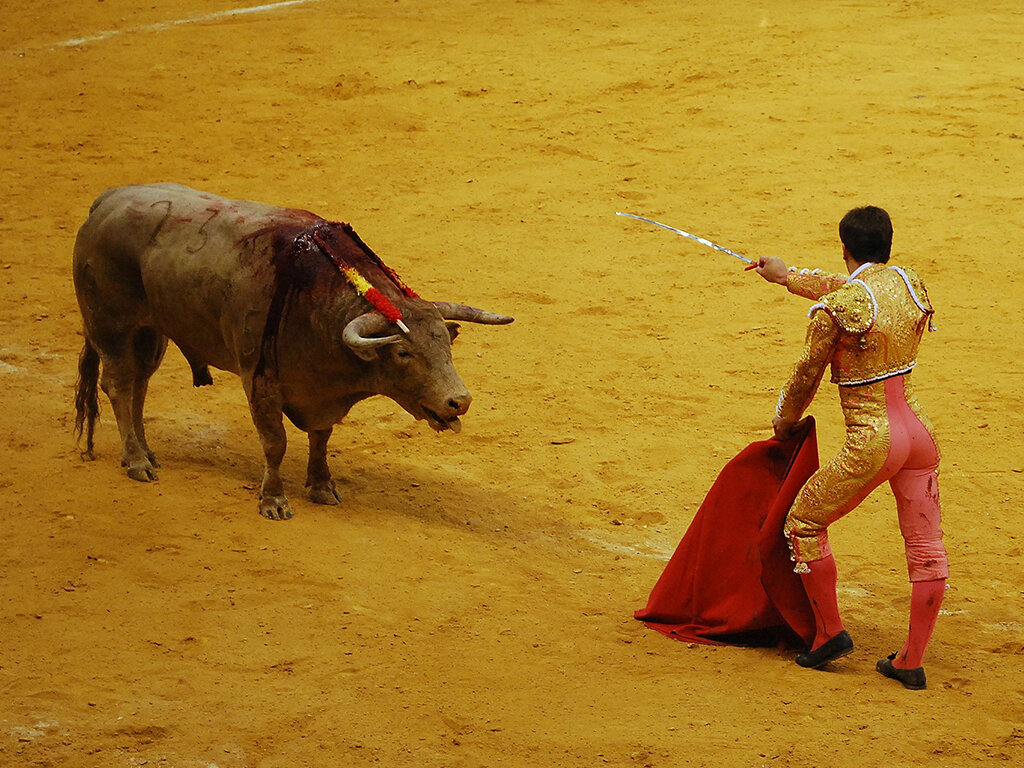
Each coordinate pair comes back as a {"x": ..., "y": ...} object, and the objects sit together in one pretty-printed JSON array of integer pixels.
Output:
[{"x": 309, "y": 318}]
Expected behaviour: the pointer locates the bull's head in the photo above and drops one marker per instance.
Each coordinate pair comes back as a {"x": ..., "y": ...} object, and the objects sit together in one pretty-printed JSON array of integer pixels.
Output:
[{"x": 416, "y": 369}]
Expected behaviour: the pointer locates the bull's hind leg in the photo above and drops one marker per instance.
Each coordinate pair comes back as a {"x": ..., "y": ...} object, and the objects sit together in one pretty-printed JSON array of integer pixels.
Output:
[
  {"x": 126, "y": 371},
  {"x": 149, "y": 352},
  {"x": 318, "y": 474}
]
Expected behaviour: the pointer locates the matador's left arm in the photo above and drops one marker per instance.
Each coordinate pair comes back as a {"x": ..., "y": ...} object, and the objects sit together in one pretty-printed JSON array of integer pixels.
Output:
[{"x": 823, "y": 336}]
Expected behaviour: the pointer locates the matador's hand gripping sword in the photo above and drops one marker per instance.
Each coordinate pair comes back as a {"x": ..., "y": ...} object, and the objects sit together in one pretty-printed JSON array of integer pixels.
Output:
[{"x": 751, "y": 263}]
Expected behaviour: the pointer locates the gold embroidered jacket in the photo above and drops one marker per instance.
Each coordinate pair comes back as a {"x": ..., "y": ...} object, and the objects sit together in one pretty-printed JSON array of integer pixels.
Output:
[{"x": 867, "y": 326}]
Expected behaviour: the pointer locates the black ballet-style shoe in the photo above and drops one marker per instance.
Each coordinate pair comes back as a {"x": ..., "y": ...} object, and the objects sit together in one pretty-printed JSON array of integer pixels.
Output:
[
  {"x": 913, "y": 679},
  {"x": 838, "y": 646}
]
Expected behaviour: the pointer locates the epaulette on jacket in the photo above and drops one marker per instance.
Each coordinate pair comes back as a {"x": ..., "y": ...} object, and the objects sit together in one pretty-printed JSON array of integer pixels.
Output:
[
  {"x": 852, "y": 307},
  {"x": 917, "y": 290}
]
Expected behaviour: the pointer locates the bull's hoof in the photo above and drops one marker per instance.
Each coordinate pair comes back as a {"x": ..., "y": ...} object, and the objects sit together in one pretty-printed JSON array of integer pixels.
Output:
[
  {"x": 201, "y": 377},
  {"x": 275, "y": 508},
  {"x": 141, "y": 470},
  {"x": 325, "y": 493}
]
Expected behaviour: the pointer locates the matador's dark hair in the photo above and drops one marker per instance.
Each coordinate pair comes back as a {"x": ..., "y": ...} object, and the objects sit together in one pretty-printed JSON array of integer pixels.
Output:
[{"x": 867, "y": 234}]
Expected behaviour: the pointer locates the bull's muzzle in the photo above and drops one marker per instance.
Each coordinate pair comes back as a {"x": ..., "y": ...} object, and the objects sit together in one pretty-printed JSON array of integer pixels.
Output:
[{"x": 447, "y": 417}]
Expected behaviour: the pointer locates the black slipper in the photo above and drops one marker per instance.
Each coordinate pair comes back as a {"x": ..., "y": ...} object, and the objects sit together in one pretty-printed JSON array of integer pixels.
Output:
[
  {"x": 840, "y": 645},
  {"x": 913, "y": 679}
]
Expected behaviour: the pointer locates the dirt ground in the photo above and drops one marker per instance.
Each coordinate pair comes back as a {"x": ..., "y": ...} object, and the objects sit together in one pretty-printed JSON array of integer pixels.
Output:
[{"x": 470, "y": 603}]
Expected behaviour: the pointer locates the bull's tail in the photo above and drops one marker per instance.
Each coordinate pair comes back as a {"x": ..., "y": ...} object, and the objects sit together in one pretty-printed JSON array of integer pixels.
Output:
[{"x": 87, "y": 404}]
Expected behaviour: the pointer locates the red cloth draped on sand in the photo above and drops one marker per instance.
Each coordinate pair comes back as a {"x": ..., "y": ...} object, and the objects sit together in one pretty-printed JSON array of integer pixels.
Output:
[{"x": 731, "y": 579}]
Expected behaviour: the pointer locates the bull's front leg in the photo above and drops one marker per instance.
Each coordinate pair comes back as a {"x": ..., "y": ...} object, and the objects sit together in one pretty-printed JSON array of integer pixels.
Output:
[
  {"x": 318, "y": 474},
  {"x": 265, "y": 405}
]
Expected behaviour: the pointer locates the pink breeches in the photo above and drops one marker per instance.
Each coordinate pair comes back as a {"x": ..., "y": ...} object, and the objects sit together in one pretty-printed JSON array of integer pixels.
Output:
[{"x": 886, "y": 440}]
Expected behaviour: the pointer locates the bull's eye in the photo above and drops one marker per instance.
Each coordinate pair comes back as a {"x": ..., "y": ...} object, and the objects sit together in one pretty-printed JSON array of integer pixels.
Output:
[{"x": 404, "y": 353}]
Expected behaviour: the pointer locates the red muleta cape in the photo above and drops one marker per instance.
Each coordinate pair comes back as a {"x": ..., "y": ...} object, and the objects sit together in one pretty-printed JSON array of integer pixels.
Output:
[{"x": 731, "y": 580}]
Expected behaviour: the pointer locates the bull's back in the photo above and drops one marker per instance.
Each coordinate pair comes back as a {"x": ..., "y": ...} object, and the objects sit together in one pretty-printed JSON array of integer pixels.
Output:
[{"x": 175, "y": 220}]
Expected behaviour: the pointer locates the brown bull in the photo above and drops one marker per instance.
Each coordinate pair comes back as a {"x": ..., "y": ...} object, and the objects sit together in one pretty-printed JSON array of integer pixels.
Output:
[{"x": 277, "y": 296}]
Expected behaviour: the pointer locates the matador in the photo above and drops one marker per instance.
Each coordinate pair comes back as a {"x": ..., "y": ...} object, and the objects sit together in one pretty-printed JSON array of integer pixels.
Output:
[{"x": 866, "y": 326}]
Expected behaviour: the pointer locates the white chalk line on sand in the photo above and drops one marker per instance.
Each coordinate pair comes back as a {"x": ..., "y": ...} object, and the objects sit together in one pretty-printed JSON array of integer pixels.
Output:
[
  {"x": 652, "y": 551},
  {"x": 109, "y": 33}
]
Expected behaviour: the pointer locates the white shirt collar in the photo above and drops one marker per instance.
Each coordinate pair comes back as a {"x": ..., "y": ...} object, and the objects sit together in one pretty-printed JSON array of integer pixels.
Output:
[{"x": 858, "y": 270}]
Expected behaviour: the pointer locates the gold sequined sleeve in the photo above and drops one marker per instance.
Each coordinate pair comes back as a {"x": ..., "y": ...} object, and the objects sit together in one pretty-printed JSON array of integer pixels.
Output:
[
  {"x": 813, "y": 284},
  {"x": 822, "y": 338}
]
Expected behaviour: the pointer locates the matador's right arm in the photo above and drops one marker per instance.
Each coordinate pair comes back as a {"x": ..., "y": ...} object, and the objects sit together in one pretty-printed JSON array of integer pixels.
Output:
[{"x": 813, "y": 283}]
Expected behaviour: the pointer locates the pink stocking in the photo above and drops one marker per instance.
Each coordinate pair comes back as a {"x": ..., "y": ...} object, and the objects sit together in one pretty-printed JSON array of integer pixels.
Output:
[
  {"x": 820, "y": 585},
  {"x": 925, "y": 602}
]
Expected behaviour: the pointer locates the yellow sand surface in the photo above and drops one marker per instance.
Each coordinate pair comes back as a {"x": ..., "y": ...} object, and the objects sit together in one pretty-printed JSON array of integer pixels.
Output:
[{"x": 470, "y": 602}]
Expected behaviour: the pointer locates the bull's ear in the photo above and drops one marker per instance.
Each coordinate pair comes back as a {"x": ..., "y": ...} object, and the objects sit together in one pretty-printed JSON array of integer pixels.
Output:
[{"x": 453, "y": 330}]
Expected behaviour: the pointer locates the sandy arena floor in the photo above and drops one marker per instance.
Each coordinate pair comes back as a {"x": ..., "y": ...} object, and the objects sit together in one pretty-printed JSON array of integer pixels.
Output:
[{"x": 470, "y": 603}]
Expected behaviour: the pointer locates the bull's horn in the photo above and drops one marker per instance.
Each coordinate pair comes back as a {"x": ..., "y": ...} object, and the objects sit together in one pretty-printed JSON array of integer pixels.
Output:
[
  {"x": 358, "y": 332},
  {"x": 451, "y": 311}
]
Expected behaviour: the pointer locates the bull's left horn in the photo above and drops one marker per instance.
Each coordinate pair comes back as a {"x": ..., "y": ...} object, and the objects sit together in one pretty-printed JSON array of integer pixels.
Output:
[
  {"x": 357, "y": 333},
  {"x": 470, "y": 314}
]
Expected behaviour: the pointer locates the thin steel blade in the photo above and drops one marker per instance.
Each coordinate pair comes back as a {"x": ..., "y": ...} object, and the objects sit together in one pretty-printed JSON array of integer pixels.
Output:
[{"x": 700, "y": 240}]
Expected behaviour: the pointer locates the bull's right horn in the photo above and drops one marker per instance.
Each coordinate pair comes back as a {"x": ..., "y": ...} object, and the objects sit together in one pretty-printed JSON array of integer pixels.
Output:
[
  {"x": 470, "y": 314},
  {"x": 358, "y": 332}
]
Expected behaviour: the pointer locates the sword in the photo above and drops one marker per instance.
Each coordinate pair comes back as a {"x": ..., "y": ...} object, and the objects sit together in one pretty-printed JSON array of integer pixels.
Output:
[{"x": 750, "y": 262}]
